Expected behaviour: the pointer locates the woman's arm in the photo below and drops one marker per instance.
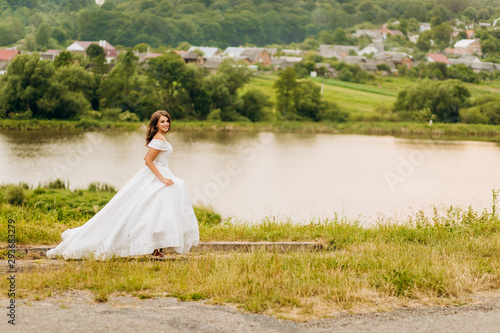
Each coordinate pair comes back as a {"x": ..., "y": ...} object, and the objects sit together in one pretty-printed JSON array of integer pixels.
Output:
[{"x": 150, "y": 157}]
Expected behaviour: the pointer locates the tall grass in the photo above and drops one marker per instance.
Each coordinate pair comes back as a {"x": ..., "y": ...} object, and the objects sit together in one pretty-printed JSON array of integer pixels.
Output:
[{"x": 443, "y": 258}]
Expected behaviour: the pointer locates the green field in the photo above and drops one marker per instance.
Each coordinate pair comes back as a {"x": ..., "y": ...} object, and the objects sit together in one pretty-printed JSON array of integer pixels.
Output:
[{"x": 363, "y": 97}]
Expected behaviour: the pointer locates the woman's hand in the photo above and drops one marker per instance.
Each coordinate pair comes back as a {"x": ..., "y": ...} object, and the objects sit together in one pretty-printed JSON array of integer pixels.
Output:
[{"x": 167, "y": 181}]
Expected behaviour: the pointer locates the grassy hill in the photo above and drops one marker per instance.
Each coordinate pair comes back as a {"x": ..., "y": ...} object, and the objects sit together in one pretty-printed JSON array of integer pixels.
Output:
[{"x": 363, "y": 97}]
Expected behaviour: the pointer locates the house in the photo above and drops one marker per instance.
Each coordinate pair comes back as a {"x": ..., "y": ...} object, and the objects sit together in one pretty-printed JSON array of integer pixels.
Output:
[
  {"x": 191, "y": 57},
  {"x": 284, "y": 62},
  {"x": 424, "y": 27},
  {"x": 292, "y": 53},
  {"x": 81, "y": 46},
  {"x": 233, "y": 52},
  {"x": 374, "y": 34},
  {"x": 50, "y": 55},
  {"x": 470, "y": 33},
  {"x": 337, "y": 51},
  {"x": 368, "y": 65},
  {"x": 465, "y": 59},
  {"x": 436, "y": 57},
  {"x": 257, "y": 55},
  {"x": 387, "y": 32},
  {"x": 208, "y": 52},
  {"x": 249, "y": 55},
  {"x": 326, "y": 70},
  {"x": 8, "y": 55},
  {"x": 212, "y": 64},
  {"x": 3, "y": 66},
  {"x": 397, "y": 58},
  {"x": 374, "y": 49},
  {"x": 145, "y": 56},
  {"x": 467, "y": 46}
]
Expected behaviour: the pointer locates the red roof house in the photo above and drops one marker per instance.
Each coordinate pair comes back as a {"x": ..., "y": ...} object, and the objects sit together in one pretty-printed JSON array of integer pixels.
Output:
[
  {"x": 436, "y": 57},
  {"x": 8, "y": 54}
]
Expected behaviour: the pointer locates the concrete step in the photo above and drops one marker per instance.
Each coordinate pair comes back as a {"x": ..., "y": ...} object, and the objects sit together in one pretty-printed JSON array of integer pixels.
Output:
[{"x": 207, "y": 247}]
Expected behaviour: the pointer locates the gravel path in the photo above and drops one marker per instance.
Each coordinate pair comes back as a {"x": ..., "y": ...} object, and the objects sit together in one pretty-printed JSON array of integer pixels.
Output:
[{"x": 77, "y": 312}]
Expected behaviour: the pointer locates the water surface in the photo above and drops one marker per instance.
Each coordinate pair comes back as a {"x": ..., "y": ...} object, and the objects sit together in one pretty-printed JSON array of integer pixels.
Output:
[{"x": 253, "y": 175}]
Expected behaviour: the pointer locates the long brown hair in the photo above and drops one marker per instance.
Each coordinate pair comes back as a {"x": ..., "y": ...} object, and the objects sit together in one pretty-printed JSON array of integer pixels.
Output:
[{"x": 153, "y": 124}]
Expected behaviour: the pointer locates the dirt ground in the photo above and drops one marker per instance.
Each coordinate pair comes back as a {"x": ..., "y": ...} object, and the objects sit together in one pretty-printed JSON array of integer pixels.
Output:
[{"x": 76, "y": 311}]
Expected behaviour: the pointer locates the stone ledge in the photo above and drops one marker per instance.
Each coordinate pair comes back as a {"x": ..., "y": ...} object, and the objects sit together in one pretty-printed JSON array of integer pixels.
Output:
[{"x": 211, "y": 247}]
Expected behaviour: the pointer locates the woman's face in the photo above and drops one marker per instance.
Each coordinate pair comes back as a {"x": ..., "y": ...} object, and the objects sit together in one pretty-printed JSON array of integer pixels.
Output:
[{"x": 163, "y": 124}]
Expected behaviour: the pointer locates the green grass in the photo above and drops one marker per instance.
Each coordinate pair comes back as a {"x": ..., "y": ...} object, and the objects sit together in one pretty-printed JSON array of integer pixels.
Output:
[
  {"x": 442, "y": 259},
  {"x": 364, "y": 97}
]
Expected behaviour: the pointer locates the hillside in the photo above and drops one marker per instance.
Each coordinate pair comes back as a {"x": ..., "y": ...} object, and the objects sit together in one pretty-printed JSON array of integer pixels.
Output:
[{"x": 54, "y": 24}]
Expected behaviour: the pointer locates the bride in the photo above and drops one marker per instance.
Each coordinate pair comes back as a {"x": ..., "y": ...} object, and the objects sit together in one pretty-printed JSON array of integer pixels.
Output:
[{"x": 153, "y": 210}]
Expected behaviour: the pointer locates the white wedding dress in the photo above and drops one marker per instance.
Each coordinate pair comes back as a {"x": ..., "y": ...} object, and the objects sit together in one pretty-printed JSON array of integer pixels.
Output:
[{"x": 143, "y": 216}]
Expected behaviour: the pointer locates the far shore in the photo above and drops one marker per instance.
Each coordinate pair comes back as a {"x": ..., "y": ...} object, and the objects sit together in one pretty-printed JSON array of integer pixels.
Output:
[{"x": 439, "y": 131}]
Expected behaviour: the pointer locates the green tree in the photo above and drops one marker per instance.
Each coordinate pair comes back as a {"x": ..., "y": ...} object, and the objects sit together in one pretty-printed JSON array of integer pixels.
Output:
[
  {"x": 94, "y": 51},
  {"x": 443, "y": 99},
  {"x": 253, "y": 105},
  {"x": 340, "y": 37},
  {"x": 285, "y": 88},
  {"x": 489, "y": 47},
  {"x": 33, "y": 84},
  {"x": 168, "y": 71},
  {"x": 307, "y": 100},
  {"x": 64, "y": 58},
  {"x": 43, "y": 35}
]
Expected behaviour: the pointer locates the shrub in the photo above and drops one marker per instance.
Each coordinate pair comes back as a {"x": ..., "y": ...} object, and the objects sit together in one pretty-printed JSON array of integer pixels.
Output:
[
  {"x": 214, "y": 115},
  {"x": 128, "y": 116},
  {"x": 15, "y": 195},
  {"x": 473, "y": 116},
  {"x": 207, "y": 216},
  {"x": 56, "y": 184}
]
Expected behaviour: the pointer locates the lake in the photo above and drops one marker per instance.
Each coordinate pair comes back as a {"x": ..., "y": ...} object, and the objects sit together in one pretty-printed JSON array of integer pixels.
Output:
[{"x": 282, "y": 175}]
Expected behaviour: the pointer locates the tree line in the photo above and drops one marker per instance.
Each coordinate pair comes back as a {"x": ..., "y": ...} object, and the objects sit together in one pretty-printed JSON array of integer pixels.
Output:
[
  {"x": 221, "y": 23},
  {"x": 129, "y": 91}
]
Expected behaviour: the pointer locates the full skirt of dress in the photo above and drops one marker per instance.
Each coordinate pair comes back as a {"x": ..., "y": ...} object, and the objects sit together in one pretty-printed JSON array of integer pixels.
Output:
[{"x": 143, "y": 216}]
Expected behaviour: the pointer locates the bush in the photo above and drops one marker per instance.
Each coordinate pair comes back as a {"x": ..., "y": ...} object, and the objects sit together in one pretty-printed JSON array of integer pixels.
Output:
[
  {"x": 473, "y": 116},
  {"x": 56, "y": 184},
  {"x": 369, "y": 116},
  {"x": 111, "y": 114},
  {"x": 15, "y": 195},
  {"x": 101, "y": 187},
  {"x": 128, "y": 116},
  {"x": 91, "y": 114},
  {"x": 214, "y": 115},
  {"x": 332, "y": 112},
  {"x": 207, "y": 216}
]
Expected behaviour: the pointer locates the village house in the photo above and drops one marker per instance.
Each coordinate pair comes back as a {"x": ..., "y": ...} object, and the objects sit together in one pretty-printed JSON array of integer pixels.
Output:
[
  {"x": 367, "y": 64},
  {"x": 470, "y": 33},
  {"x": 424, "y": 27},
  {"x": 337, "y": 51},
  {"x": 326, "y": 70},
  {"x": 374, "y": 49},
  {"x": 249, "y": 55},
  {"x": 6, "y": 57},
  {"x": 374, "y": 34},
  {"x": 284, "y": 62},
  {"x": 397, "y": 58},
  {"x": 207, "y": 52},
  {"x": 212, "y": 64},
  {"x": 436, "y": 57},
  {"x": 144, "y": 56},
  {"x": 191, "y": 57},
  {"x": 80, "y": 47},
  {"x": 387, "y": 32},
  {"x": 50, "y": 55},
  {"x": 465, "y": 46}
]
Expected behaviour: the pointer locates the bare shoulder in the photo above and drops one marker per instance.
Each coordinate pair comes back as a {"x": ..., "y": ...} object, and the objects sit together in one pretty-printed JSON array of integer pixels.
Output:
[{"x": 158, "y": 136}]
